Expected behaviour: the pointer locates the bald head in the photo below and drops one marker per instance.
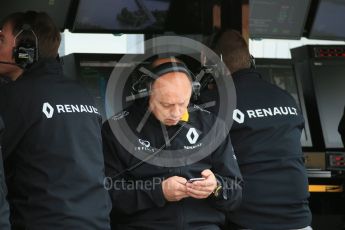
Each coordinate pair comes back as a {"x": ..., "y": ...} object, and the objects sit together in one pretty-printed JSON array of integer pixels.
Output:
[
  {"x": 161, "y": 61},
  {"x": 170, "y": 96},
  {"x": 173, "y": 82}
]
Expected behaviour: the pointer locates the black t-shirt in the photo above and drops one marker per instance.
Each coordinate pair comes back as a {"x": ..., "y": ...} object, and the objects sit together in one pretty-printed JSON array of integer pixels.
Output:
[
  {"x": 52, "y": 149},
  {"x": 266, "y": 139},
  {"x": 4, "y": 211}
]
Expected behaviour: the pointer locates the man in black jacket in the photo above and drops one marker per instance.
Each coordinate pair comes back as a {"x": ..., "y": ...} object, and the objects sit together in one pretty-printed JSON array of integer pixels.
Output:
[
  {"x": 52, "y": 143},
  {"x": 4, "y": 211},
  {"x": 341, "y": 128},
  {"x": 266, "y": 138},
  {"x": 157, "y": 191}
]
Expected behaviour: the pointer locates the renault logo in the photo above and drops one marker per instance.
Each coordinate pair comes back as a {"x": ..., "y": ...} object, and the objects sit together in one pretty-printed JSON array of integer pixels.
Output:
[
  {"x": 48, "y": 110},
  {"x": 192, "y": 136},
  {"x": 238, "y": 116}
]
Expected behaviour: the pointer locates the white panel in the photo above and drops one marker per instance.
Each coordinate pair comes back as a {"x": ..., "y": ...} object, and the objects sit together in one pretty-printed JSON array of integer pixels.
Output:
[
  {"x": 94, "y": 43},
  {"x": 280, "y": 48},
  {"x": 135, "y": 43},
  {"x": 256, "y": 48},
  {"x": 269, "y": 48}
]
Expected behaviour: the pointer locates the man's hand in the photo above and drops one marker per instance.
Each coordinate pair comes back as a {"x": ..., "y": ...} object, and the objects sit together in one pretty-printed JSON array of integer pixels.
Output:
[
  {"x": 174, "y": 188},
  {"x": 202, "y": 189}
]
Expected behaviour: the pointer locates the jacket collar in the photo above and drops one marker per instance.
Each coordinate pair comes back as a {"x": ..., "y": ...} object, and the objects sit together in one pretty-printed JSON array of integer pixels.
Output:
[
  {"x": 44, "y": 66},
  {"x": 246, "y": 72}
]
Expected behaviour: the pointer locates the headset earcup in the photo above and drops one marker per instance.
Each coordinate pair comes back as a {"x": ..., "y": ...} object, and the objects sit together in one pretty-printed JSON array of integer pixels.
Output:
[
  {"x": 24, "y": 55},
  {"x": 26, "y": 51}
]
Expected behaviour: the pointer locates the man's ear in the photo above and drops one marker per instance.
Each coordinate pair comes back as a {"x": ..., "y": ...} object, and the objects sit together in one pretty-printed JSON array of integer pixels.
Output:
[{"x": 151, "y": 105}]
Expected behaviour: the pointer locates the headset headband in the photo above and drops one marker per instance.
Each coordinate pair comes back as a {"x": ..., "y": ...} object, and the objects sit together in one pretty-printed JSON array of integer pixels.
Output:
[{"x": 169, "y": 67}]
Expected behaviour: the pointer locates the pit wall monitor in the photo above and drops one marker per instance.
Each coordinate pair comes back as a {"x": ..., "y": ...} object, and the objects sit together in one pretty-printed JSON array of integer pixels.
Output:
[
  {"x": 329, "y": 21},
  {"x": 277, "y": 18},
  {"x": 144, "y": 16}
]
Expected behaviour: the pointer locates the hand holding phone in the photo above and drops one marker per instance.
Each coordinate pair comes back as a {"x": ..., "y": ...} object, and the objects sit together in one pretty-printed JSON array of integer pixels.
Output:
[{"x": 204, "y": 188}]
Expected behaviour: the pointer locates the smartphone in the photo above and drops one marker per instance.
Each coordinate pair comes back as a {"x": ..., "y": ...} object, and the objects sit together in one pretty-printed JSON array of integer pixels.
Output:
[{"x": 196, "y": 179}]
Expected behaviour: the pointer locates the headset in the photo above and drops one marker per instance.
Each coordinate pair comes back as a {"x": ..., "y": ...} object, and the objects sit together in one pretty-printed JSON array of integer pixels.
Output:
[
  {"x": 25, "y": 53},
  {"x": 144, "y": 82}
]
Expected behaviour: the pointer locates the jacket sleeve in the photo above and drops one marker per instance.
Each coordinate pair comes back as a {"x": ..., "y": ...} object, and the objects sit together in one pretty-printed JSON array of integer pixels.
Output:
[
  {"x": 4, "y": 210},
  {"x": 15, "y": 122},
  {"x": 227, "y": 172},
  {"x": 127, "y": 195}
]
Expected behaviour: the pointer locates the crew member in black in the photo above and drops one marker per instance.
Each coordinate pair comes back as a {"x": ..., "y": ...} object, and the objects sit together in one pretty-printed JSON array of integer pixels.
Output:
[
  {"x": 52, "y": 143},
  {"x": 266, "y": 139},
  {"x": 341, "y": 128},
  {"x": 4, "y": 211},
  {"x": 152, "y": 193}
]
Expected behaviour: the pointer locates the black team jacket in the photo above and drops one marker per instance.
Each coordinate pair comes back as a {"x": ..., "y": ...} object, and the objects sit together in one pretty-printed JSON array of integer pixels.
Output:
[
  {"x": 52, "y": 148},
  {"x": 267, "y": 145},
  {"x": 136, "y": 206},
  {"x": 266, "y": 138}
]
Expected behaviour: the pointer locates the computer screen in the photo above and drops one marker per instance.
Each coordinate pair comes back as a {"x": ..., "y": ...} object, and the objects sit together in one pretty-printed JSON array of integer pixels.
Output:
[
  {"x": 57, "y": 10},
  {"x": 281, "y": 73},
  {"x": 143, "y": 16},
  {"x": 329, "y": 20},
  {"x": 277, "y": 18}
]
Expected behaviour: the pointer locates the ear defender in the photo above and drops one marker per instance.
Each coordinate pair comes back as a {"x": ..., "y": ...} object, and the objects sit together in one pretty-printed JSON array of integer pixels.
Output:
[
  {"x": 25, "y": 53},
  {"x": 143, "y": 85}
]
